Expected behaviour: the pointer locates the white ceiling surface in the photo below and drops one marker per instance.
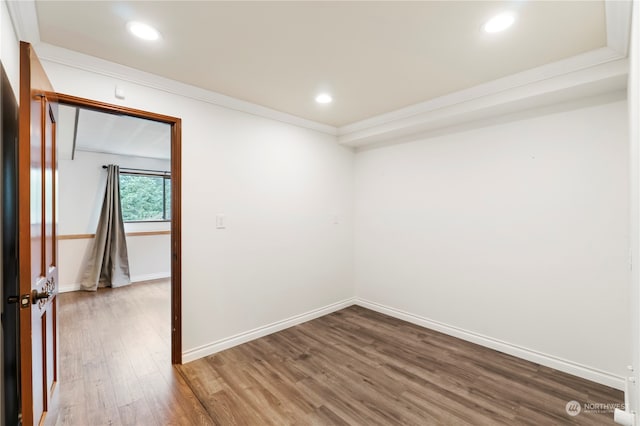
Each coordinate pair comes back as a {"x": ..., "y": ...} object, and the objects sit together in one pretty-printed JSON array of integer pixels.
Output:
[
  {"x": 112, "y": 134},
  {"x": 374, "y": 57}
]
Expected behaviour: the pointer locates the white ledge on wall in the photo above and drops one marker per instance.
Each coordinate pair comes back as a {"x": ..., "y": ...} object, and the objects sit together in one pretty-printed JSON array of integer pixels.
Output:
[
  {"x": 510, "y": 94},
  {"x": 586, "y": 75},
  {"x": 591, "y": 74}
]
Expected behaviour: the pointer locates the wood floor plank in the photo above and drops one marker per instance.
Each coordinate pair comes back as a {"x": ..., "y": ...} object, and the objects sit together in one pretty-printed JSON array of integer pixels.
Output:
[
  {"x": 136, "y": 413},
  {"x": 359, "y": 367},
  {"x": 115, "y": 360},
  {"x": 352, "y": 367}
]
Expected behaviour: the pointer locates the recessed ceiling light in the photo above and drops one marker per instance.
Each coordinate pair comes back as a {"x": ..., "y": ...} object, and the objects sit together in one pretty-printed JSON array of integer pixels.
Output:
[
  {"x": 143, "y": 31},
  {"x": 499, "y": 22},
  {"x": 324, "y": 98}
]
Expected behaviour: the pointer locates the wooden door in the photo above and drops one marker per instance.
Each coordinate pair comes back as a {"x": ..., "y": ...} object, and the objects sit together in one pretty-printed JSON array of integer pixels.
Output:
[{"x": 37, "y": 226}]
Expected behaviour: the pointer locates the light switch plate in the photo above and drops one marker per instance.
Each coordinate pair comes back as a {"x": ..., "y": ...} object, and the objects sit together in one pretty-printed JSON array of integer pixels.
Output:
[{"x": 220, "y": 222}]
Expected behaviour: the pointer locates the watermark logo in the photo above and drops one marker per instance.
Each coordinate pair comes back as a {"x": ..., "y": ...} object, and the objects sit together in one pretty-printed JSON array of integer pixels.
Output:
[
  {"x": 600, "y": 407},
  {"x": 573, "y": 408}
]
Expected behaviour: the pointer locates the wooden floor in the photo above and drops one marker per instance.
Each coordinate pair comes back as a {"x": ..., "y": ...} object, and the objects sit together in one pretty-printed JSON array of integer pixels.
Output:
[
  {"x": 359, "y": 367},
  {"x": 115, "y": 360},
  {"x": 353, "y": 367}
]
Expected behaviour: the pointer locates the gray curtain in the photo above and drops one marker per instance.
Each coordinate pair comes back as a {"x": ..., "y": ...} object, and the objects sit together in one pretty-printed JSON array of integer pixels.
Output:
[{"x": 108, "y": 262}]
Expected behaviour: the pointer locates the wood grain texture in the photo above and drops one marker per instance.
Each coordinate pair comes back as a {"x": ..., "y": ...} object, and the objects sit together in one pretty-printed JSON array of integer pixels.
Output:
[
  {"x": 76, "y": 237},
  {"x": 353, "y": 367},
  {"x": 128, "y": 234},
  {"x": 38, "y": 273},
  {"x": 176, "y": 241},
  {"x": 115, "y": 360},
  {"x": 358, "y": 367}
]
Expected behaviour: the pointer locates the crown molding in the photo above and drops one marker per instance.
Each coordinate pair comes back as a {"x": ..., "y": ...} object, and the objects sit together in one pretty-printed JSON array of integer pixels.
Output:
[
  {"x": 25, "y": 20},
  {"x": 555, "y": 69},
  {"x": 589, "y": 82},
  {"x": 70, "y": 58},
  {"x": 439, "y": 112},
  {"x": 405, "y": 121}
]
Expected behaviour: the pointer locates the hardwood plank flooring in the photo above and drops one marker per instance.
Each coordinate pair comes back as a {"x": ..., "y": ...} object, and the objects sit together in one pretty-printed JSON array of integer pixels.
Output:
[
  {"x": 352, "y": 367},
  {"x": 115, "y": 360},
  {"x": 358, "y": 367}
]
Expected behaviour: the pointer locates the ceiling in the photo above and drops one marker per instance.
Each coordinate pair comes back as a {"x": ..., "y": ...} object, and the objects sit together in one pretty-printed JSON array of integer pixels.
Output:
[
  {"x": 81, "y": 129},
  {"x": 373, "y": 57}
]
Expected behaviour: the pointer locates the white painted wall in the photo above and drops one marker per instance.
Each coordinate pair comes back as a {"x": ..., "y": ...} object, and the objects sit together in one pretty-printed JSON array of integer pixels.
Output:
[
  {"x": 558, "y": 179},
  {"x": 517, "y": 233},
  {"x": 149, "y": 259},
  {"x": 82, "y": 182},
  {"x": 278, "y": 185},
  {"x": 9, "y": 48},
  {"x": 633, "y": 395}
]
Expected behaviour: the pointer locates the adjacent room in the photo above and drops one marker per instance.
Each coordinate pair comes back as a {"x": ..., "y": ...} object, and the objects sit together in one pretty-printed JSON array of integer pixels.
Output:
[
  {"x": 88, "y": 141},
  {"x": 388, "y": 212}
]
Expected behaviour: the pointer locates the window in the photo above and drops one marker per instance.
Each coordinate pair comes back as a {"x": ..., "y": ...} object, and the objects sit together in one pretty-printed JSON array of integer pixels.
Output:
[{"x": 145, "y": 197}]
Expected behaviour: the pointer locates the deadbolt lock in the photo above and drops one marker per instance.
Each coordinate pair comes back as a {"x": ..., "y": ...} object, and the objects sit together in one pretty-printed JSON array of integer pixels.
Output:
[{"x": 24, "y": 300}]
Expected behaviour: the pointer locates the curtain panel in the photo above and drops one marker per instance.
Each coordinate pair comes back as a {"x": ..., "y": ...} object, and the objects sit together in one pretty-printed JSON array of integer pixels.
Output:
[{"x": 108, "y": 262}]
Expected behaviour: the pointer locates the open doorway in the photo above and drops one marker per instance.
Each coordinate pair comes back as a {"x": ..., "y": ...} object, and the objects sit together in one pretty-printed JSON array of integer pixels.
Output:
[{"x": 146, "y": 146}]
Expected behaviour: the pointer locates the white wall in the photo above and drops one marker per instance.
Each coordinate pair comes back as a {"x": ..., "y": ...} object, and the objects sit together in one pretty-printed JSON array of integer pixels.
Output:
[
  {"x": 516, "y": 232},
  {"x": 9, "y": 48},
  {"x": 633, "y": 395},
  {"x": 533, "y": 213},
  {"x": 279, "y": 186},
  {"x": 82, "y": 182},
  {"x": 149, "y": 259}
]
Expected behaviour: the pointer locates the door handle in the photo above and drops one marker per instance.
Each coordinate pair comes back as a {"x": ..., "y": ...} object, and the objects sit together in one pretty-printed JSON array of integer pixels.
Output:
[{"x": 40, "y": 295}]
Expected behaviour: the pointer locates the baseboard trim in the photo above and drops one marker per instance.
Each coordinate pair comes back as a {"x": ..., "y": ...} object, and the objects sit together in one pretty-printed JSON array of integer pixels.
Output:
[
  {"x": 150, "y": 277},
  {"x": 247, "y": 336},
  {"x": 560, "y": 364},
  {"x": 66, "y": 288}
]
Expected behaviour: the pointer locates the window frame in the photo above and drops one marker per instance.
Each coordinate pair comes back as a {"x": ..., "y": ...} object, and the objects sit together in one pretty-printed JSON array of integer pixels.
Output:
[{"x": 166, "y": 176}]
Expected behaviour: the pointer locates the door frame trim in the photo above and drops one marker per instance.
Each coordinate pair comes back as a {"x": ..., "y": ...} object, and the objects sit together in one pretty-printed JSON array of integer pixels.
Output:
[{"x": 176, "y": 207}]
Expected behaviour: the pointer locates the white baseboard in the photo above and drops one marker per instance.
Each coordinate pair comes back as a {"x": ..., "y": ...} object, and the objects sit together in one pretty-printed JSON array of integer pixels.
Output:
[
  {"x": 560, "y": 364},
  {"x": 150, "y": 277},
  {"x": 551, "y": 361},
  {"x": 66, "y": 288},
  {"x": 229, "y": 342}
]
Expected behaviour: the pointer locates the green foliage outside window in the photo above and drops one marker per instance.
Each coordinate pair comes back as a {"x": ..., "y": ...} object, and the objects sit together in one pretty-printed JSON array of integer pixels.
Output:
[{"x": 145, "y": 197}]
